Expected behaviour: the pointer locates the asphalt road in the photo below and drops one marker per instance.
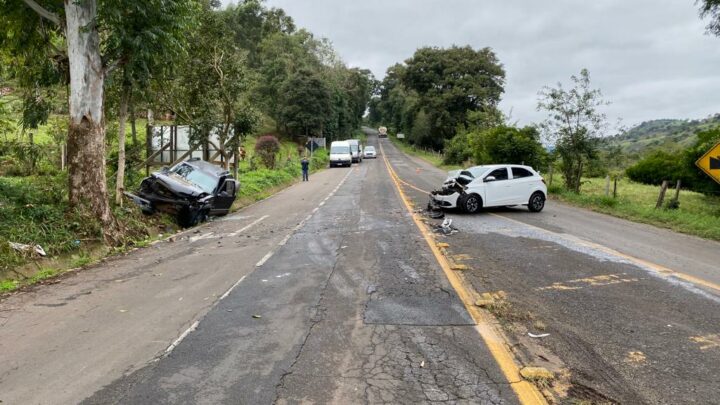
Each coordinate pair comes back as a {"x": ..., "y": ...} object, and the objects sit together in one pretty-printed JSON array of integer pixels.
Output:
[
  {"x": 632, "y": 311},
  {"x": 331, "y": 292}
]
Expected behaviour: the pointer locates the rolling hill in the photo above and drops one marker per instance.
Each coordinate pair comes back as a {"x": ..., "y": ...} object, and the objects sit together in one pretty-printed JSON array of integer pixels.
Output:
[{"x": 669, "y": 134}]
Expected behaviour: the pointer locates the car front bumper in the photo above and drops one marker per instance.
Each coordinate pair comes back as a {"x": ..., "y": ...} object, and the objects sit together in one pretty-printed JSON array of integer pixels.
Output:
[
  {"x": 445, "y": 201},
  {"x": 341, "y": 162}
]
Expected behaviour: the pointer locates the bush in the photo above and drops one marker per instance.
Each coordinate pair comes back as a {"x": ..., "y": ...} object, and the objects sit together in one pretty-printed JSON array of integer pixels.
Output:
[
  {"x": 656, "y": 167},
  {"x": 266, "y": 147}
]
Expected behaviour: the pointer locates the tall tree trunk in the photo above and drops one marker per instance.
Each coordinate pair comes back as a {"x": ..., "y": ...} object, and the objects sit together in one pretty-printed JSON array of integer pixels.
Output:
[
  {"x": 86, "y": 134},
  {"x": 133, "y": 130},
  {"x": 120, "y": 179}
]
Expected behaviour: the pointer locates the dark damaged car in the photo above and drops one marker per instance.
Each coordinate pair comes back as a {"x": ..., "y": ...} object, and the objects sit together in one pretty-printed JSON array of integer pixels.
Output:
[{"x": 191, "y": 191}]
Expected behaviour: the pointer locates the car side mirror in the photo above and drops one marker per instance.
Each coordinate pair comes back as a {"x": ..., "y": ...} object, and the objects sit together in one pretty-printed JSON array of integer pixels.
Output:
[{"x": 489, "y": 179}]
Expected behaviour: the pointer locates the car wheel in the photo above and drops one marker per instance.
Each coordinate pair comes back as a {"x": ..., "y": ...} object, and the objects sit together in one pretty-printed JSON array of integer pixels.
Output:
[
  {"x": 472, "y": 204},
  {"x": 537, "y": 202}
]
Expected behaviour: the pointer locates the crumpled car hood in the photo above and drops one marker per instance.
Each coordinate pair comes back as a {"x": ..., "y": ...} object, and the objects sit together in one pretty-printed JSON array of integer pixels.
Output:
[
  {"x": 178, "y": 186},
  {"x": 455, "y": 176}
]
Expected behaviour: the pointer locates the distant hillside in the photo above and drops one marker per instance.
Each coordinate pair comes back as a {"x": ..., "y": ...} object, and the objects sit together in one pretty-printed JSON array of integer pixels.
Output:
[{"x": 668, "y": 134}]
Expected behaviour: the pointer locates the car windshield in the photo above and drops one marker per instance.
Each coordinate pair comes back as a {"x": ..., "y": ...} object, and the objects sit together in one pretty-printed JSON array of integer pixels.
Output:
[
  {"x": 197, "y": 177},
  {"x": 354, "y": 148},
  {"x": 476, "y": 171},
  {"x": 338, "y": 150}
]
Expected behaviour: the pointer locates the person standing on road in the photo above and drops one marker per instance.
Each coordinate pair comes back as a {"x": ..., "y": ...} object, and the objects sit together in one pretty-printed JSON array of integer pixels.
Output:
[{"x": 305, "y": 164}]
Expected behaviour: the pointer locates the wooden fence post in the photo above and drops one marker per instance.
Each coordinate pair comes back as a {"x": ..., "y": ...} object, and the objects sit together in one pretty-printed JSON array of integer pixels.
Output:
[
  {"x": 607, "y": 185},
  {"x": 677, "y": 190},
  {"x": 661, "y": 197},
  {"x": 615, "y": 188}
]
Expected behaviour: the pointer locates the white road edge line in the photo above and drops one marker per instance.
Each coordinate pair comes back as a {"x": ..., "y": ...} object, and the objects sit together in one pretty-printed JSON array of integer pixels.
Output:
[
  {"x": 177, "y": 341},
  {"x": 232, "y": 288},
  {"x": 250, "y": 225},
  {"x": 300, "y": 225}
]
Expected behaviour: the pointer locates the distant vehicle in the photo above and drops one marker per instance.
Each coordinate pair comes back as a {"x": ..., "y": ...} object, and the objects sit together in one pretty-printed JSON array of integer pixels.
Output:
[
  {"x": 382, "y": 132},
  {"x": 340, "y": 154},
  {"x": 491, "y": 186},
  {"x": 191, "y": 191},
  {"x": 356, "y": 150},
  {"x": 369, "y": 152}
]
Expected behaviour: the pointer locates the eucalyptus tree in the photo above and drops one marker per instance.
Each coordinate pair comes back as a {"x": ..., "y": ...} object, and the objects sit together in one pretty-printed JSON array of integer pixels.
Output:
[
  {"x": 711, "y": 9},
  {"x": 84, "y": 35},
  {"x": 145, "y": 37}
]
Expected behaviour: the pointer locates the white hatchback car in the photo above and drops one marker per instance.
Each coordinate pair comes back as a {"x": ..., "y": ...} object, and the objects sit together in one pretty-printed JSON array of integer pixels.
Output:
[
  {"x": 369, "y": 152},
  {"x": 492, "y": 186}
]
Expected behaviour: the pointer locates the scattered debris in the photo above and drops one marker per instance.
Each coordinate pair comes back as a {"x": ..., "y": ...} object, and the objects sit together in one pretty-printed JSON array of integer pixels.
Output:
[
  {"x": 31, "y": 249},
  {"x": 538, "y": 336},
  {"x": 443, "y": 245},
  {"x": 537, "y": 374},
  {"x": 635, "y": 357},
  {"x": 446, "y": 228},
  {"x": 257, "y": 316},
  {"x": 422, "y": 364},
  {"x": 457, "y": 266}
]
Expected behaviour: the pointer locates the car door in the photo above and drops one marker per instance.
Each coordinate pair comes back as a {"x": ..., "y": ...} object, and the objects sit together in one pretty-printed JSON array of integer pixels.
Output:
[
  {"x": 497, "y": 187},
  {"x": 520, "y": 185},
  {"x": 225, "y": 196}
]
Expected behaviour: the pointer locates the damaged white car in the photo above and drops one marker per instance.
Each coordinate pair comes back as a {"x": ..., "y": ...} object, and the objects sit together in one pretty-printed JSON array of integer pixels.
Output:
[{"x": 491, "y": 186}]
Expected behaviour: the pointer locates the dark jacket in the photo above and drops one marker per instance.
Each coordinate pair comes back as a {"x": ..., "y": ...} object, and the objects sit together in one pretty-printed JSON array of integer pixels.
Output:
[{"x": 305, "y": 164}]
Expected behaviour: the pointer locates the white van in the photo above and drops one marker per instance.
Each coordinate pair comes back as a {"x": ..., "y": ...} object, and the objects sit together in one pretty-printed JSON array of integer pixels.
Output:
[
  {"x": 356, "y": 150},
  {"x": 340, "y": 154}
]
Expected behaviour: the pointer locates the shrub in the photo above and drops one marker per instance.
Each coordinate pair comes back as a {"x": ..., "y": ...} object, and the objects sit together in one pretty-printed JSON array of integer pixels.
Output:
[
  {"x": 655, "y": 168},
  {"x": 266, "y": 147}
]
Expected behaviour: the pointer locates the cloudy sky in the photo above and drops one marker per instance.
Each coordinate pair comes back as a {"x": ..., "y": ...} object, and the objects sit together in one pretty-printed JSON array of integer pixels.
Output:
[{"x": 651, "y": 58}]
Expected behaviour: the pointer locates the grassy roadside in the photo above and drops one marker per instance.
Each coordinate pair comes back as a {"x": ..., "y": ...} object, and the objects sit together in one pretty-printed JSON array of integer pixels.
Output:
[
  {"x": 33, "y": 210},
  {"x": 434, "y": 158},
  {"x": 698, "y": 214}
]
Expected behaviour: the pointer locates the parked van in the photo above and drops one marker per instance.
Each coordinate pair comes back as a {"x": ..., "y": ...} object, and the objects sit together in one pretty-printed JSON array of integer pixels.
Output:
[
  {"x": 356, "y": 150},
  {"x": 340, "y": 154}
]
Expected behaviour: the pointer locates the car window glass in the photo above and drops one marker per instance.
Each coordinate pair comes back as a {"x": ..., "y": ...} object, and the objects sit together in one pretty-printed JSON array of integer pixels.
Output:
[
  {"x": 477, "y": 171},
  {"x": 499, "y": 174},
  {"x": 338, "y": 150},
  {"x": 197, "y": 177},
  {"x": 519, "y": 172}
]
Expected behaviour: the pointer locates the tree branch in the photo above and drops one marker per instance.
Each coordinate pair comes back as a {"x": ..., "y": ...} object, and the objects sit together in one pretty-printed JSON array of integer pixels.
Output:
[{"x": 43, "y": 12}]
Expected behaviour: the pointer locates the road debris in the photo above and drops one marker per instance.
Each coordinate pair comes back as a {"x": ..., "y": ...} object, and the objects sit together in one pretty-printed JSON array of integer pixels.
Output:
[
  {"x": 537, "y": 374},
  {"x": 31, "y": 249},
  {"x": 257, "y": 316},
  {"x": 538, "y": 336}
]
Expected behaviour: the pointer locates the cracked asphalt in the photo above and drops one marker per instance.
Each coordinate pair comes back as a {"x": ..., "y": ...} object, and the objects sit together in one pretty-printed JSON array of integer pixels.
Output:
[
  {"x": 626, "y": 323},
  {"x": 353, "y": 308}
]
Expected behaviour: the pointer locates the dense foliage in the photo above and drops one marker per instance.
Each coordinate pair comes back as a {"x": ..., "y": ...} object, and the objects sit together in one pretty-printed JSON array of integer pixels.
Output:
[
  {"x": 433, "y": 93},
  {"x": 678, "y": 165}
]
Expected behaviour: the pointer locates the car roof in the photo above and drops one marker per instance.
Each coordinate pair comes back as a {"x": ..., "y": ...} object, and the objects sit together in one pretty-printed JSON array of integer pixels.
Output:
[
  {"x": 498, "y": 166},
  {"x": 341, "y": 143}
]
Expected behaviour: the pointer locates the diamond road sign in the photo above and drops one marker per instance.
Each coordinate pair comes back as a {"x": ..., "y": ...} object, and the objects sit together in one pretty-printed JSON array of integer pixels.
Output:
[{"x": 710, "y": 163}]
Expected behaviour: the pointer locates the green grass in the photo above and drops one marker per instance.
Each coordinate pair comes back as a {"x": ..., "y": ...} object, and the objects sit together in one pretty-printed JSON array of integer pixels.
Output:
[
  {"x": 434, "y": 158},
  {"x": 698, "y": 214}
]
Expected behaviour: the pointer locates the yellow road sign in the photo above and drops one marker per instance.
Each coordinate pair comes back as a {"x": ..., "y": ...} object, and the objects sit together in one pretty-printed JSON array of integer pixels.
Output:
[{"x": 710, "y": 162}]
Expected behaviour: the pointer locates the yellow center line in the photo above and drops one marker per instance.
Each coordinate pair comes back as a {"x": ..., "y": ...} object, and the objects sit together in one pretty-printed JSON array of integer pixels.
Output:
[
  {"x": 657, "y": 268},
  {"x": 526, "y": 392}
]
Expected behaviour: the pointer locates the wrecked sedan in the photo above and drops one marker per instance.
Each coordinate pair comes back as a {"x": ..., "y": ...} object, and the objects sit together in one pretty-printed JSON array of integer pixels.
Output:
[
  {"x": 191, "y": 191},
  {"x": 491, "y": 186}
]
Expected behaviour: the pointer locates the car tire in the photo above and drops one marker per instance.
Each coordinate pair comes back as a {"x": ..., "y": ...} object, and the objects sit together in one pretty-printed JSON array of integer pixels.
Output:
[
  {"x": 536, "y": 202},
  {"x": 471, "y": 203}
]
